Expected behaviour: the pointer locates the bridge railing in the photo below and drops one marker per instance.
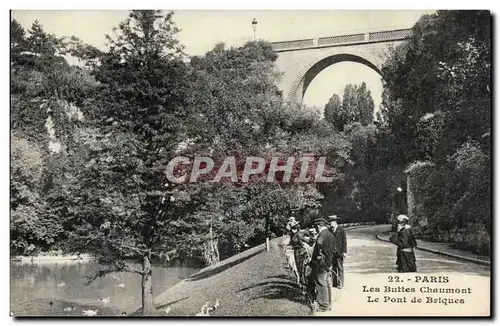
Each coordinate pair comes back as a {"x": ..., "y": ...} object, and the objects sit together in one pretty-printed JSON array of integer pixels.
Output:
[
  {"x": 380, "y": 36},
  {"x": 298, "y": 44},
  {"x": 343, "y": 39}
]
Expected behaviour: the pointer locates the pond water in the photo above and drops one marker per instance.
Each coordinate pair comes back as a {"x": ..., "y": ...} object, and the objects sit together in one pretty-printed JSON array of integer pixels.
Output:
[{"x": 64, "y": 280}]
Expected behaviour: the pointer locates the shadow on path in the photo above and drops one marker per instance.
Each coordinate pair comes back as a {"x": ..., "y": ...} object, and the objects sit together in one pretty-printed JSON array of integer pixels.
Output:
[
  {"x": 276, "y": 287},
  {"x": 171, "y": 303}
]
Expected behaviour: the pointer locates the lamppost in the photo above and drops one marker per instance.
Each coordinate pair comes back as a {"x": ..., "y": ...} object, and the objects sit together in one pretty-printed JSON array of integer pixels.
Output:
[
  {"x": 400, "y": 201},
  {"x": 254, "y": 25},
  {"x": 398, "y": 205}
]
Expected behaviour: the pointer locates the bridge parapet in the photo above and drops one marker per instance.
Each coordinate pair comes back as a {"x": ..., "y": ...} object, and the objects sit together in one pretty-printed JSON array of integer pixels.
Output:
[
  {"x": 293, "y": 45},
  {"x": 381, "y": 36}
]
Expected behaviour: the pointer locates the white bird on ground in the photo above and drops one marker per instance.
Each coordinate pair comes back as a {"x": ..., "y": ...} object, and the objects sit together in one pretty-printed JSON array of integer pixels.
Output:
[
  {"x": 105, "y": 300},
  {"x": 61, "y": 284},
  {"x": 217, "y": 304},
  {"x": 204, "y": 310},
  {"x": 166, "y": 310},
  {"x": 121, "y": 285},
  {"x": 69, "y": 308},
  {"x": 90, "y": 312}
]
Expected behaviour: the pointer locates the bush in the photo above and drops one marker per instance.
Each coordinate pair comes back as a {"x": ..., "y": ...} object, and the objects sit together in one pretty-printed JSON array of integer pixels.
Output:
[{"x": 455, "y": 196}]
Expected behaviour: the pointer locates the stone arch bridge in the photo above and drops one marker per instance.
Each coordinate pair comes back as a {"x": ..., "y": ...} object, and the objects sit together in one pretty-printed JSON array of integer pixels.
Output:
[{"x": 302, "y": 60}]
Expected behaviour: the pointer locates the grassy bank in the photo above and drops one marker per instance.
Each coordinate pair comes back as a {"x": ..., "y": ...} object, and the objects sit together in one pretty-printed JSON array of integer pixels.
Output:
[{"x": 252, "y": 283}]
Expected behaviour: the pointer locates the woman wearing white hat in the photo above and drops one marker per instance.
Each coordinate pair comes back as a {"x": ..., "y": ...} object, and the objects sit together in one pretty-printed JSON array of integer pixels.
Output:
[
  {"x": 406, "y": 243},
  {"x": 291, "y": 222}
]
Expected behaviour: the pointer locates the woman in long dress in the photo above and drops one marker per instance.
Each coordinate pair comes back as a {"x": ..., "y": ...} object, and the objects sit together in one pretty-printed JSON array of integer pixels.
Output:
[
  {"x": 406, "y": 243},
  {"x": 298, "y": 241}
]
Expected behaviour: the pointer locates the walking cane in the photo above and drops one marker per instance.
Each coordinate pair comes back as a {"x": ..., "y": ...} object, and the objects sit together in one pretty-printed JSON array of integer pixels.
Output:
[{"x": 339, "y": 280}]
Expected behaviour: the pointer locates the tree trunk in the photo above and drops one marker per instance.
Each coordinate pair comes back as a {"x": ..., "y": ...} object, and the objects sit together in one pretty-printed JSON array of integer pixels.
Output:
[
  {"x": 211, "y": 250},
  {"x": 267, "y": 233},
  {"x": 148, "y": 308}
]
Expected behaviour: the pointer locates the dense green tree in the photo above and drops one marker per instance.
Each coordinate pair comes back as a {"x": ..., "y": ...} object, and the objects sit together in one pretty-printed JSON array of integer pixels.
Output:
[
  {"x": 241, "y": 113},
  {"x": 32, "y": 227},
  {"x": 428, "y": 73},
  {"x": 350, "y": 104},
  {"x": 365, "y": 105},
  {"x": 44, "y": 93},
  {"x": 438, "y": 104},
  {"x": 356, "y": 106},
  {"x": 17, "y": 41},
  {"x": 333, "y": 111},
  {"x": 116, "y": 189}
]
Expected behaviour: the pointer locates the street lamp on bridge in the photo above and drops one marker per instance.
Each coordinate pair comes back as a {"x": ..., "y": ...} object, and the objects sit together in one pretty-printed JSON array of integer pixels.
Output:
[{"x": 254, "y": 25}]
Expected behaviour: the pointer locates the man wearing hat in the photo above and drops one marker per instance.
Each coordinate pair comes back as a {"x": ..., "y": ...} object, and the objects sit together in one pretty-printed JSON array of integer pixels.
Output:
[
  {"x": 340, "y": 246},
  {"x": 321, "y": 262}
]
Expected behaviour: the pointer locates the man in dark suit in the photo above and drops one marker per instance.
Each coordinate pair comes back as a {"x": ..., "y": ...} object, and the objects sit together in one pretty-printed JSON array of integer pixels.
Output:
[
  {"x": 340, "y": 246},
  {"x": 321, "y": 262}
]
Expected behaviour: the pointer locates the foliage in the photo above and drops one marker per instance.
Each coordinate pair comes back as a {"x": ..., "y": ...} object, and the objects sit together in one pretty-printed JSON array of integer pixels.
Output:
[
  {"x": 137, "y": 113},
  {"x": 446, "y": 67},
  {"x": 31, "y": 229},
  {"x": 262, "y": 125},
  {"x": 121, "y": 115},
  {"x": 334, "y": 112},
  {"x": 44, "y": 90},
  {"x": 356, "y": 106},
  {"x": 353, "y": 117},
  {"x": 365, "y": 106},
  {"x": 437, "y": 102}
]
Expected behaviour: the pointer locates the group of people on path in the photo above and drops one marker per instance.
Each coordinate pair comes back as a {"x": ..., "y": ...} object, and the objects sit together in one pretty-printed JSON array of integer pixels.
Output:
[
  {"x": 319, "y": 257},
  {"x": 319, "y": 254}
]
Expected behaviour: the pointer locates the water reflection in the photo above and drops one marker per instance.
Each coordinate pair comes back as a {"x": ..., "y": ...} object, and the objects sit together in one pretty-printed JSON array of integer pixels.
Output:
[{"x": 65, "y": 281}]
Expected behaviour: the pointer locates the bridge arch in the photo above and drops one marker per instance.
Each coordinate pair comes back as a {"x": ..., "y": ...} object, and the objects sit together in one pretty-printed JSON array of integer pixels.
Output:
[{"x": 308, "y": 72}]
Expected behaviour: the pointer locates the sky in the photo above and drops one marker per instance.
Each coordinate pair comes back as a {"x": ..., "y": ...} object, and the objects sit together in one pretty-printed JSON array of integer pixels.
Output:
[{"x": 201, "y": 30}]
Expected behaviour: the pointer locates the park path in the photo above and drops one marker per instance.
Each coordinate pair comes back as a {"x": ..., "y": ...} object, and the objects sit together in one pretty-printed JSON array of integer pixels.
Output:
[
  {"x": 369, "y": 255},
  {"x": 372, "y": 262},
  {"x": 259, "y": 283}
]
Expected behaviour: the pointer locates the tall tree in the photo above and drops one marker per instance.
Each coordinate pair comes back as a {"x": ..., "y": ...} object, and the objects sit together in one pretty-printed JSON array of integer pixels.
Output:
[
  {"x": 365, "y": 105},
  {"x": 17, "y": 40},
  {"x": 438, "y": 100},
  {"x": 332, "y": 111},
  {"x": 121, "y": 207},
  {"x": 356, "y": 106},
  {"x": 350, "y": 103}
]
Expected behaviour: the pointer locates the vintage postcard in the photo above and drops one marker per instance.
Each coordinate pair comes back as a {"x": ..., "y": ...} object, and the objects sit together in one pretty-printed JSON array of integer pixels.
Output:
[{"x": 250, "y": 163}]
